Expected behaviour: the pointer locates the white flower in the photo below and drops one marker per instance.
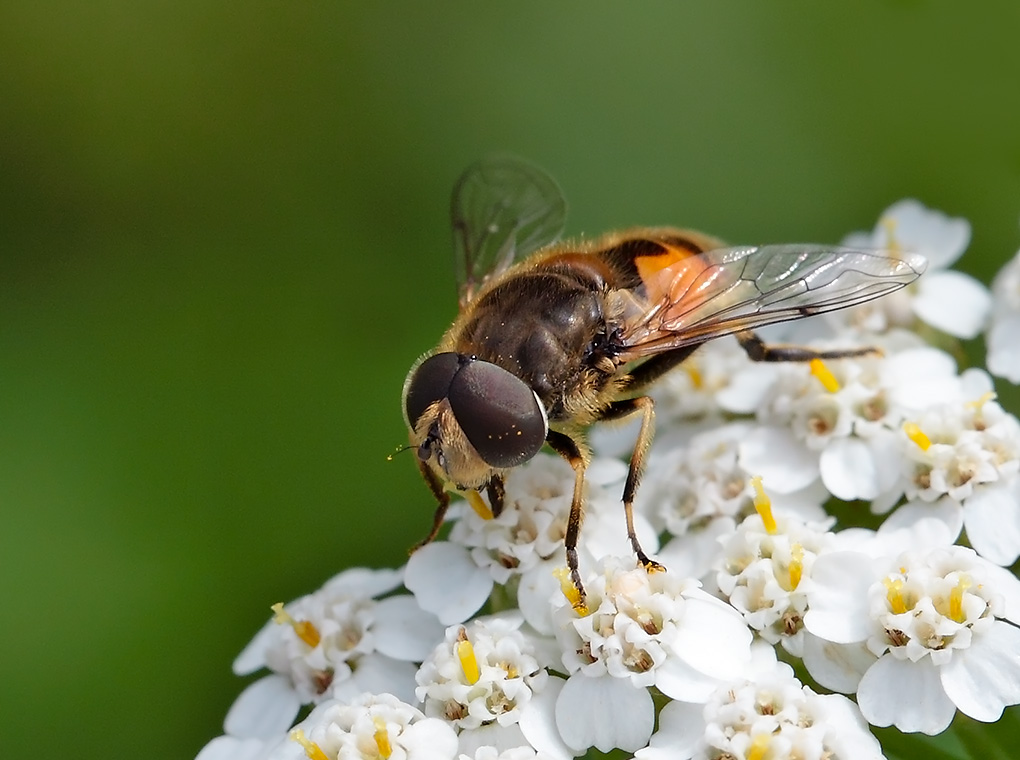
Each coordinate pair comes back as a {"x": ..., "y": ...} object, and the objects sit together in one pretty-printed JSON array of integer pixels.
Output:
[
  {"x": 514, "y": 753},
  {"x": 932, "y": 624},
  {"x": 524, "y": 545},
  {"x": 768, "y": 713},
  {"x": 370, "y": 727},
  {"x": 761, "y": 572},
  {"x": 971, "y": 453},
  {"x": 840, "y": 421},
  {"x": 951, "y": 301},
  {"x": 486, "y": 680},
  {"x": 334, "y": 643},
  {"x": 643, "y": 629},
  {"x": 1003, "y": 336},
  {"x": 698, "y": 492}
]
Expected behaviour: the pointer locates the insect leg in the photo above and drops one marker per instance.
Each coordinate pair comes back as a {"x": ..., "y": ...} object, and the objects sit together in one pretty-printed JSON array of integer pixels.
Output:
[
  {"x": 759, "y": 351},
  {"x": 647, "y": 373},
  {"x": 567, "y": 448},
  {"x": 618, "y": 410},
  {"x": 496, "y": 493},
  {"x": 444, "y": 502}
]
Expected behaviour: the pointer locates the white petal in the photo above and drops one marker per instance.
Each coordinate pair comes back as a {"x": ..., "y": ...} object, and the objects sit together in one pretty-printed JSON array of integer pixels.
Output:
[
  {"x": 501, "y": 738},
  {"x": 535, "y": 594},
  {"x": 915, "y": 227},
  {"x": 992, "y": 519},
  {"x": 446, "y": 581},
  {"x": 784, "y": 463},
  {"x": 538, "y": 722},
  {"x": 379, "y": 674},
  {"x": 905, "y": 694},
  {"x": 853, "y": 738},
  {"x": 953, "y": 302},
  {"x": 678, "y": 680},
  {"x": 232, "y": 748},
  {"x": 1004, "y": 348},
  {"x": 838, "y": 597},
  {"x": 922, "y": 525},
  {"x": 430, "y": 739},
  {"x": 363, "y": 581},
  {"x": 692, "y": 554},
  {"x": 849, "y": 470},
  {"x": 836, "y": 666},
  {"x": 985, "y": 677},
  {"x": 253, "y": 656},
  {"x": 405, "y": 631},
  {"x": 681, "y": 731},
  {"x": 1005, "y": 584},
  {"x": 747, "y": 389},
  {"x": 713, "y": 638},
  {"x": 264, "y": 710},
  {"x": 605, "y": 713}
]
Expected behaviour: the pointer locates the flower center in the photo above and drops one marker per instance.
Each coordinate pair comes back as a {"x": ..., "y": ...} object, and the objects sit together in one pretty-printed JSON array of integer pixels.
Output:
[
  {"x": 305, "y": 629},
  {"x": 382, "y": 737},
  {"x": 312, "y": 750}
]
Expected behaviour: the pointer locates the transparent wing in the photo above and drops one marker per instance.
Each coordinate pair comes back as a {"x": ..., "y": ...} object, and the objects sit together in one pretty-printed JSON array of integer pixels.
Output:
[
  {"x": 727, "y": 290},
  {"x": 503, "y": 208}
]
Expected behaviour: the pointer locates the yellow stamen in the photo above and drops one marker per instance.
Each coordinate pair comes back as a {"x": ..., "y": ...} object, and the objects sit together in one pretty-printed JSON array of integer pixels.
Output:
[
  {"x": 763, "y": 505},
  {"x": 894, "y": 595},
  {"x": 914, "y": 433},
  {"x": 824, "y": 375},
  {"x": 475, "y": 500},
  {"x": 796, "y": 565},
  {"x": 890, "y": 229},
  {"x": 570, "y": 591},
  {"x": 759, "y": 747},
  {"x": 305, "y": 629},
  {"x": 956, "y": 599},
  {"x": 984, "y": 399},
  {"x": 382, "y": 737},
  {"x": 466, "y": 655},
  {"x": 312, "y": 750},
  {"x": 694, "y": 374}
]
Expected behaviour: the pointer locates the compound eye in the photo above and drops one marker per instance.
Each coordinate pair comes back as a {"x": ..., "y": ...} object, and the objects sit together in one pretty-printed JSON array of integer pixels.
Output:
[
  {"x": 427, "y": 383},
  {"x": 500, "y": 415}
]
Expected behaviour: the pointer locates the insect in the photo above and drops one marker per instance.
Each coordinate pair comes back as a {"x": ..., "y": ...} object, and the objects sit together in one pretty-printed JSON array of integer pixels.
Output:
[{"x": 552, "y": 337}]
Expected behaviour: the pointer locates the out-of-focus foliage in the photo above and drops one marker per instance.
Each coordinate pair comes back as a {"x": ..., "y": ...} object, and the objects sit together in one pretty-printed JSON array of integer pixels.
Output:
[{"x": 223, "y": 241}]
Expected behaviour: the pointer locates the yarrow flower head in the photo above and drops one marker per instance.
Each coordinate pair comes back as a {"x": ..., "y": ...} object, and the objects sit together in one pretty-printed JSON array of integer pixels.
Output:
[
  {"x": 337, "y": 642},
  {"x": 762, "y": 567},
  {"x": 946, "y": 299},
  {"x": 486, "y": 681},
  {"x": 934, "y": 627},
  {"x": 522, "y": 547},
  {"x": 370, "y": 727},
  {"x": 644, "y": 629},
  {"x": 767, "y": 713}
]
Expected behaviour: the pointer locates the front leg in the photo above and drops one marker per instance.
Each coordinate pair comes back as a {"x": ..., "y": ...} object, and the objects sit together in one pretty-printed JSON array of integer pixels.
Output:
[
  {"x": 568, "y": 448},
  {"x": 442, "y": 497},
  {"x": 619, "y": 410}
]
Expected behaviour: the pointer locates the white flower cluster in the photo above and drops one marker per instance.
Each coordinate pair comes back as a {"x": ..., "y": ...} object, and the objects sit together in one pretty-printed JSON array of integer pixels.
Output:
[{"x": 908, "y": 608}]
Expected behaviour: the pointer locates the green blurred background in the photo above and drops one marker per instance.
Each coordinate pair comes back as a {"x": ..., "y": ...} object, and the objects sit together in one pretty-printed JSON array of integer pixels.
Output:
[{"x": 223, "y": 241}]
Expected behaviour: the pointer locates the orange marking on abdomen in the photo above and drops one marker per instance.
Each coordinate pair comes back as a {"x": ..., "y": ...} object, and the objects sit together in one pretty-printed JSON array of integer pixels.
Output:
[{"x": 672, "y": 271}]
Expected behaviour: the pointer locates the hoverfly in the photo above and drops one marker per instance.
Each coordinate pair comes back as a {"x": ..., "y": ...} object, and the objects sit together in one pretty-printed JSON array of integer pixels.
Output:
[{"x": 552, "y": 337}]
